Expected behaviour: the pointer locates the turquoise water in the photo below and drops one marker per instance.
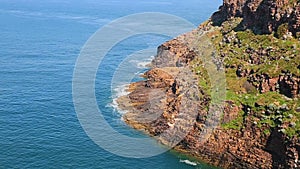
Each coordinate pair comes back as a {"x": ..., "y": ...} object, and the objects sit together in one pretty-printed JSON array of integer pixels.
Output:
[{"x": 39, "y": 44}]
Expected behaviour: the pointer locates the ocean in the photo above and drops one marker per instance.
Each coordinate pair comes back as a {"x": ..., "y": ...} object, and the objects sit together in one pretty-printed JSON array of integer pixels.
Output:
[{"x": 39, "y": 45}]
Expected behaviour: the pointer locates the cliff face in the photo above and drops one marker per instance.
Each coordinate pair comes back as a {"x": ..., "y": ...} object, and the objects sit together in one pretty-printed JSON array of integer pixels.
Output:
[
  {"x": 260, "y": 123},
  {"x": 263, "y": 16}
]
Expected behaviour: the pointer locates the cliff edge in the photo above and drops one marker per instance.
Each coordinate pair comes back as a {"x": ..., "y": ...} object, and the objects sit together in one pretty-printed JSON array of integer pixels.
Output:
[{"x": 256, "y": 44}]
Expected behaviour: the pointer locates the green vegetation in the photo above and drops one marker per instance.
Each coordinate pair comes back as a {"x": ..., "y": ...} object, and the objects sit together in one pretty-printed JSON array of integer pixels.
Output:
[
  {"x": 282, "y": 30},
  {"x": 274, "y": 55},
  {"x": 204, "y": 81},
  {"x": 271, "y": 109},
  {"x": 269, "y": 55},
  {"x": 232, "y": 24},
  {"x": 236, "y": 124}
]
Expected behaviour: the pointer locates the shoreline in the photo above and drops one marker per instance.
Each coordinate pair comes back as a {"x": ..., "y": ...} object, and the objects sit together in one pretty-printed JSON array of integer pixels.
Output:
[
  {"x": 124, "y": 104},
  {"x": 259, "y": 127},
  {"x": 164, "y": 82}
]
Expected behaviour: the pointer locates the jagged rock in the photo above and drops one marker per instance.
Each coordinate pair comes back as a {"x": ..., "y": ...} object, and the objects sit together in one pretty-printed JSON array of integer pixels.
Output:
[
  {"x": 286, "y": 84},
  {"x": 262, "y": 16},
  {"x": 289, "y": 85},
  {"x": 158, "y": 103}
]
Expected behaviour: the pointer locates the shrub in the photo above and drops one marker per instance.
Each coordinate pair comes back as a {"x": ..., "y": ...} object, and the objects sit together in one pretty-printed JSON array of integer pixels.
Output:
[{"x": 282, "y": 30}]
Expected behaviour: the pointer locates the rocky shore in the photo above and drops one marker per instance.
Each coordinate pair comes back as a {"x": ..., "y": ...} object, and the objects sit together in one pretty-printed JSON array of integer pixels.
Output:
[{"x": 259, "y": 125}]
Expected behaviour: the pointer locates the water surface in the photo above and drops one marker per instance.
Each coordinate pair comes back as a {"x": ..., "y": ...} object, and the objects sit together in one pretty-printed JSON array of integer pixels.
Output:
[{"x": 40, "y": 42}]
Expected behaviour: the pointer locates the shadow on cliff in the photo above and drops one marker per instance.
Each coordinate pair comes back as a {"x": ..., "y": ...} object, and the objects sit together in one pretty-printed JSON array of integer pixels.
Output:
[
  {"x": 275, "y": 146},
  {"x": 262, "y": 17}
]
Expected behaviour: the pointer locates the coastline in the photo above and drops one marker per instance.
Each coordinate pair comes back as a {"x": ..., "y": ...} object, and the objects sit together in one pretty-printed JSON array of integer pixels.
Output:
[
  {"x": 259, "y": 126},
  {"x": 126, "y": 103},
  {"x": 165, "y": 83}
]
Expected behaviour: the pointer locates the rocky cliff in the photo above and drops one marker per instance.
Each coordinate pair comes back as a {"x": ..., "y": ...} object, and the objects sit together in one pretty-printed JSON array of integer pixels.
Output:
[
  {"x": 255, "y": 44},
  {"x": 262, "y": 16}
]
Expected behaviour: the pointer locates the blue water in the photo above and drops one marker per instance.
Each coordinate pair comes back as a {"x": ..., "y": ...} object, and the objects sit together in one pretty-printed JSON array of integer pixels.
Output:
[{"x": 39, "y": 44}]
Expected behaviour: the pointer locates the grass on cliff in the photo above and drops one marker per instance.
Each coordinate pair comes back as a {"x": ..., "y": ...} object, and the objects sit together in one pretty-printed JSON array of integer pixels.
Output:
[
  {"x": 236, "y": 124},
  {"x": 270, "y": 110},
  {"x": 281, "y": 54},
  {"x": 275, "y": 54},
  {"x": 204, "y": 80}
]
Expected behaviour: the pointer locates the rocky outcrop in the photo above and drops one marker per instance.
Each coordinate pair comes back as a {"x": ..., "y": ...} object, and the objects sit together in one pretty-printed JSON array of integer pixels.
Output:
[
  {"x": 256, "y": 130},
  {"x": 155, "y": 105},
  {"x": 175, "y": 53},
  {"x": 286, "y": 84},
  {"x": 229, "y": 10},
  {"x": 289, "y": 85},
  {"x": 262, "y": 16}
]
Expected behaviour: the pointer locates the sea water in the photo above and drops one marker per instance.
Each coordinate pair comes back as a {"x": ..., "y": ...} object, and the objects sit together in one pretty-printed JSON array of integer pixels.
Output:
[{"x": 39, "y": 44}]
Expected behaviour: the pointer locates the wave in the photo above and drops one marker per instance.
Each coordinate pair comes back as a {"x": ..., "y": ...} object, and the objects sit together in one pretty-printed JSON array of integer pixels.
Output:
[
  {"x": 119, "y": 91},
  {"x": 131, "y": 69},
  {"x": 142, "y": 64},
  {"x": 188, "y": 162}
]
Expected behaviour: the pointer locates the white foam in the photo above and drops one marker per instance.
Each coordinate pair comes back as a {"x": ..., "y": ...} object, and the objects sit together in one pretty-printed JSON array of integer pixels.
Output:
[
  {"x": 142, "y": 64},
  {"x": 188, "y": 162},
  {"x": 119, "y": 87},
  {"x": 119, "y": 91}
]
